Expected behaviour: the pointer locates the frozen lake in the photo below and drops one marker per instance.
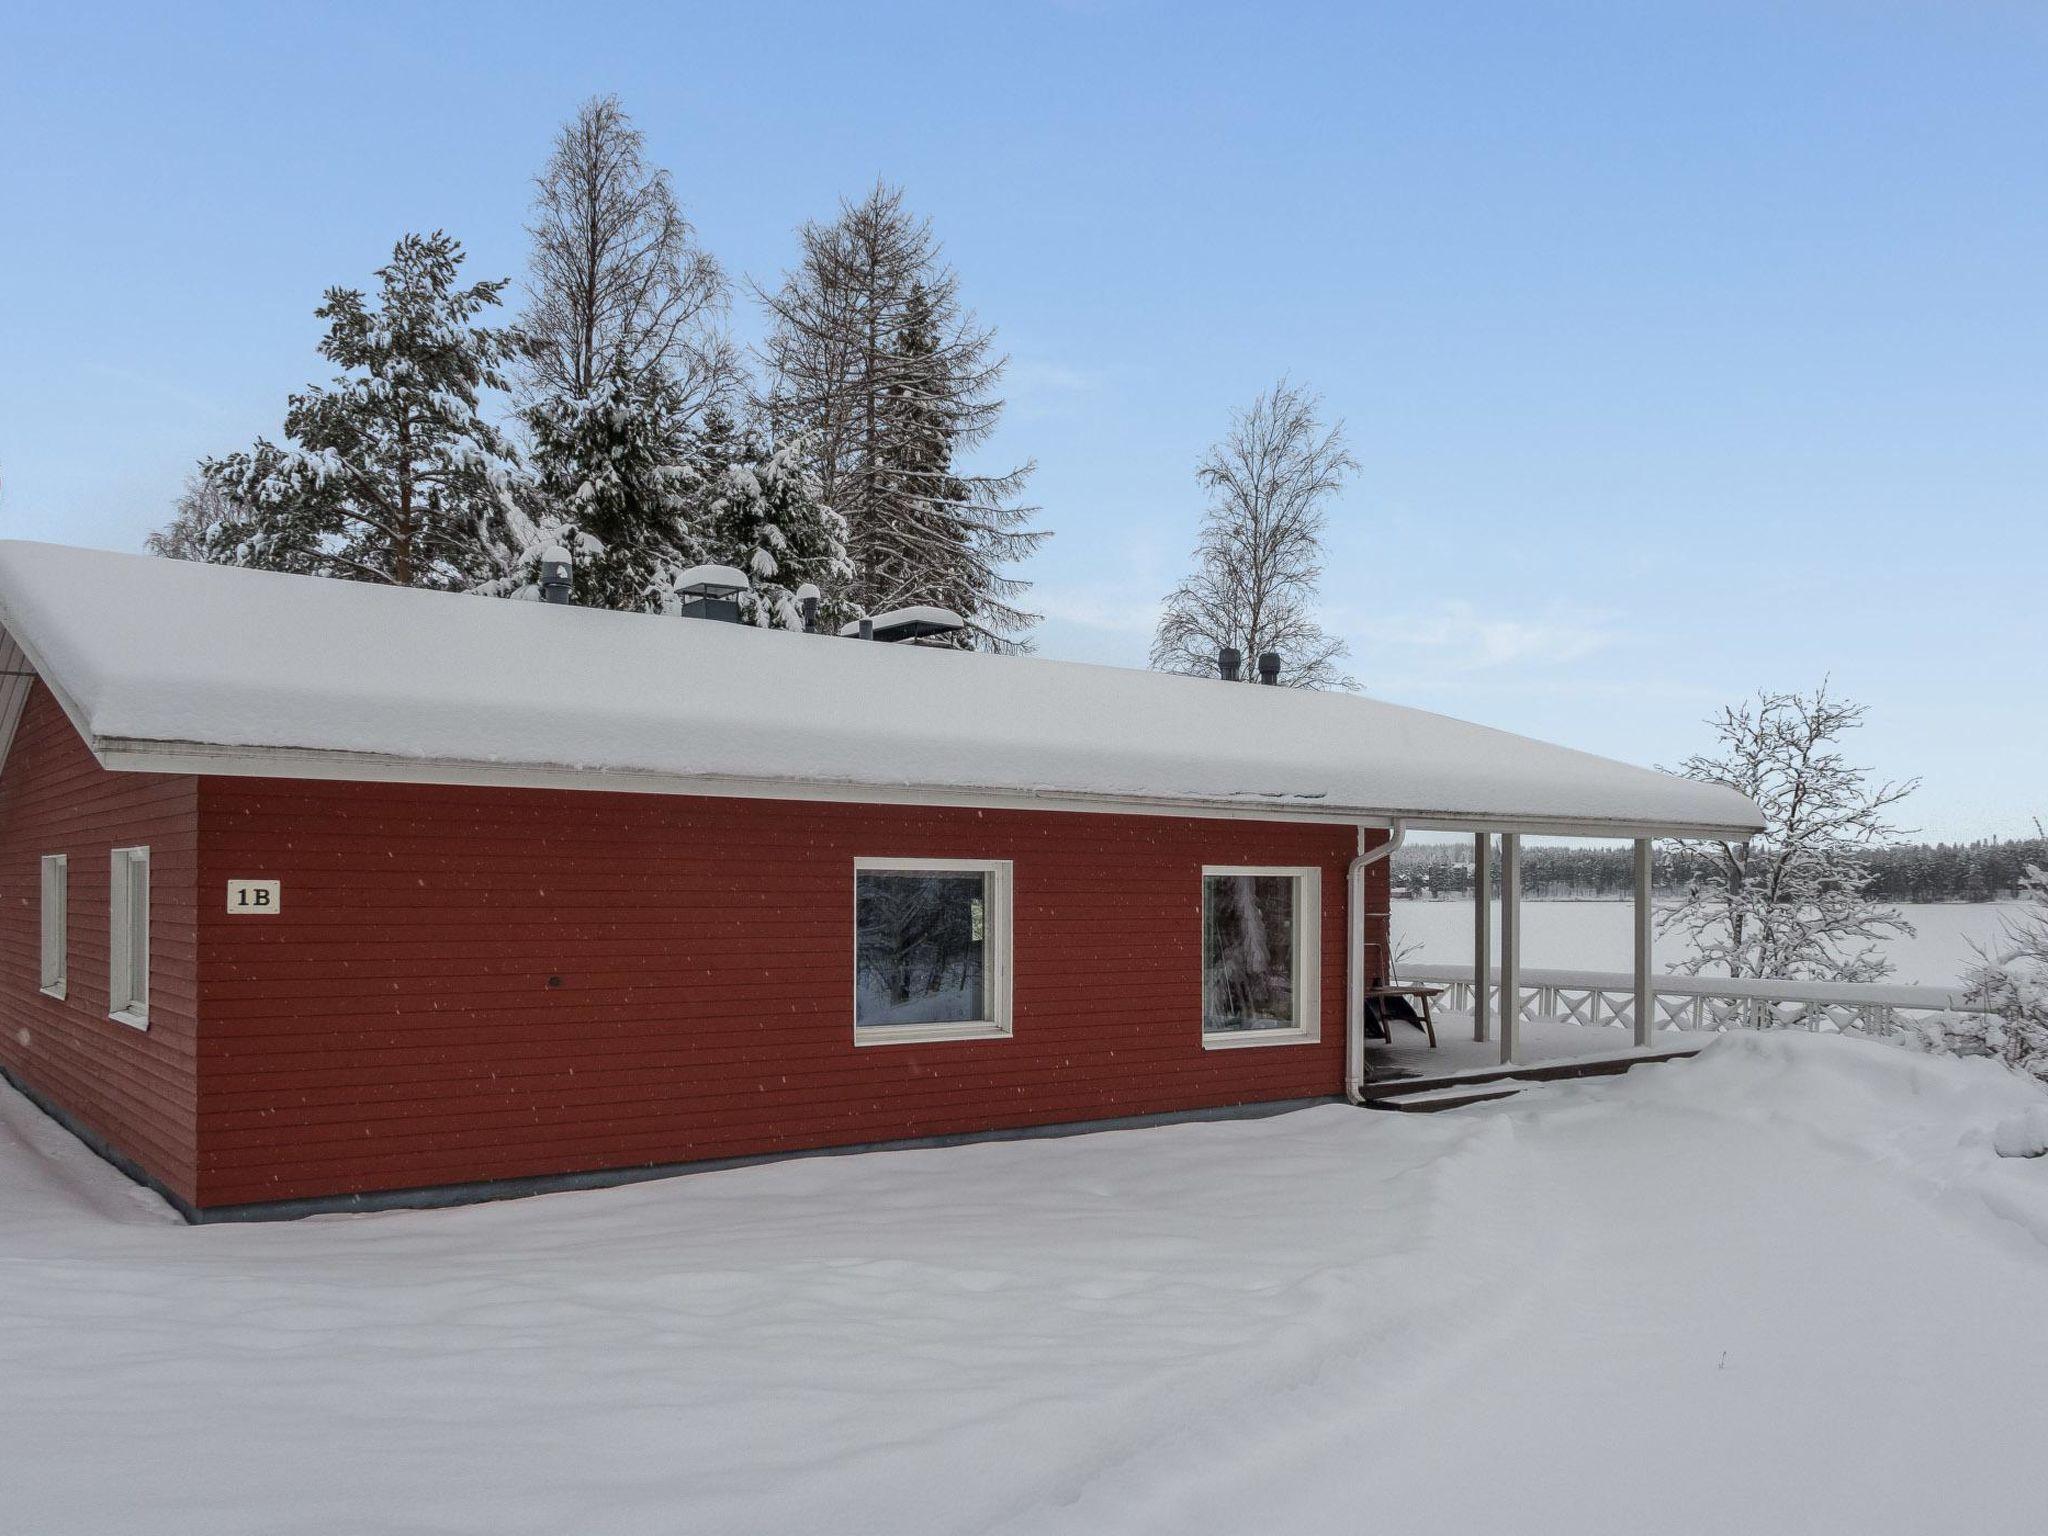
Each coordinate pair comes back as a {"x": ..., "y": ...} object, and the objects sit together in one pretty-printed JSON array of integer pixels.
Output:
[{"x": 1594, "y": 936}]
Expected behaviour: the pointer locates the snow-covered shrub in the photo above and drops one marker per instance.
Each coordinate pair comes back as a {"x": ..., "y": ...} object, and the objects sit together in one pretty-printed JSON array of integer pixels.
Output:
[
  {"x": 2007, "y": 1016},
  {"x": 2010, "y": 985},
  {"x": 2022, "y": 1135}
]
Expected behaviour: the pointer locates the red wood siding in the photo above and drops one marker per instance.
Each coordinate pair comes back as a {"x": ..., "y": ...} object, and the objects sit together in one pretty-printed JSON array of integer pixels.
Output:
[
  {"x": 394, "y": 1026},
  {"x": 135, "y": 1090}
]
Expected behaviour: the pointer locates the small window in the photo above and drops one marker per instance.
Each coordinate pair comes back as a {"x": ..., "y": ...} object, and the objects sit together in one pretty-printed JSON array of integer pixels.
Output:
[
  {"x": 1260, "y": 981},
  {"x": 931, "y": 950},
  {"x": 56, "y": 905},
  {"x": 128, "y": 937}
]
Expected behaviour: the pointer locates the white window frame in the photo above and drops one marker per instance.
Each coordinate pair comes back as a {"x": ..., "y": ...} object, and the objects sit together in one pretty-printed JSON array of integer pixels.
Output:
[
  {"x": 996, "y": 956},
  {"x": 1308, "y": 959},
  {"x": 56, "y": 921},
  {"x": 127, "y": 984}
]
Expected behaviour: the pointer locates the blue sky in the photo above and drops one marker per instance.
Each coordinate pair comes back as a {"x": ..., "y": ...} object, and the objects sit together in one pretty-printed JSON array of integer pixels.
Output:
[{"x": 1686, "y": 348}]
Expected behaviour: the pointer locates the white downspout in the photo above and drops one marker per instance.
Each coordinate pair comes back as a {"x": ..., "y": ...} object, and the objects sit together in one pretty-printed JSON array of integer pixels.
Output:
[{"x": 1354, "y": 959}]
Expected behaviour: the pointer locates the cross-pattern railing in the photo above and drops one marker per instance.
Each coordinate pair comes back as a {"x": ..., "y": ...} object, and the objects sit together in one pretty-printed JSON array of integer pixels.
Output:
[{"x": 1705, "y": 1002}]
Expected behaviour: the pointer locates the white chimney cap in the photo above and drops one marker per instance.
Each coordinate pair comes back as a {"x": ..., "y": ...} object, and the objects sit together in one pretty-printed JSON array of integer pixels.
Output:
[{"x": 711, "y": 581}]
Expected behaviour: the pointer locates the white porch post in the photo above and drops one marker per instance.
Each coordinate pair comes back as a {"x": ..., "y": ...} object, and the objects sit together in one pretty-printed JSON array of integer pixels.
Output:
[
  {"x": 1482, "y": 933},
  {"x": 1510, "y": 947},
  {"x": 1646, "y": 986}
]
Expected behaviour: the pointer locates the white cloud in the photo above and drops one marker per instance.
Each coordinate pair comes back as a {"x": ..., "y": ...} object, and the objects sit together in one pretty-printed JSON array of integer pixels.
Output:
[
  {"x": 160, "y": 389},
  {"x": 1455, "y": 635},
  {"x": 1049, "y": 378},
  {"x": 1038, "y": 388},
  {"x": 1117, "y": 609}
]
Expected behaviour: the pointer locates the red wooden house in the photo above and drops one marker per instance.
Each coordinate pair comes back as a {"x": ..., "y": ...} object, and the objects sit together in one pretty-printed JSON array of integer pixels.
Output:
[{"x": 318, "y": 893}]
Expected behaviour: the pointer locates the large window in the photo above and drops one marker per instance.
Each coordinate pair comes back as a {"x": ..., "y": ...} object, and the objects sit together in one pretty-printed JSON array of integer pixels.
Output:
[
  {"x": 56, "y": 925},
  {"x": 1260, "y": 983},
  {"x": 931, "y": 950},
  {"x": 128, "y": 937}
]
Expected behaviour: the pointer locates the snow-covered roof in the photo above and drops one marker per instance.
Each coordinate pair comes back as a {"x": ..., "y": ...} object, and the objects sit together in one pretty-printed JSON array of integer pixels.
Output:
[{"x": 170, "y": 666}]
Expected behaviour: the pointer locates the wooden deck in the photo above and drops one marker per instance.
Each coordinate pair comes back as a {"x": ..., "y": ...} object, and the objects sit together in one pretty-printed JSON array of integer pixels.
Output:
[
  {"x": 1502, "y": 1081},
  {"x": 1401, "y": 1077}
]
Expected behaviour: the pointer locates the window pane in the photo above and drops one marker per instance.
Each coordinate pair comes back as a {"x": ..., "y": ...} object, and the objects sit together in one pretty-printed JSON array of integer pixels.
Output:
[
  {"x": 55, "y": 882},
  {"x": 1248, "y": 952},
  {"x": 922, "y": 948},
  {"x": 117, "y": 931},
  {"x": 138, "y": 932}
]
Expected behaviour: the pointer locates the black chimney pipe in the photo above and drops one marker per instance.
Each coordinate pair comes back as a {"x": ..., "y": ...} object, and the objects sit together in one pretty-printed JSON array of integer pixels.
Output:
[
  {"x": 1228, "y": 660},
  {"x": 1269, "y": 667},
  {"x": 810, "y": 613},
  {"x": 555, "y": 576}
]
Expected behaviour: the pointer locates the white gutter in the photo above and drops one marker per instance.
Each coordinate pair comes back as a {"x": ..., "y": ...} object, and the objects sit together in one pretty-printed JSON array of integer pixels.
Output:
[{"x": 1354, "y": 957}]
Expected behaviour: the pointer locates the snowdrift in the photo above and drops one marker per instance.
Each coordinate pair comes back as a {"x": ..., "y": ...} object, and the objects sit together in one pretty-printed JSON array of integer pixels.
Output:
[{"x": 1790, "y": 1286}]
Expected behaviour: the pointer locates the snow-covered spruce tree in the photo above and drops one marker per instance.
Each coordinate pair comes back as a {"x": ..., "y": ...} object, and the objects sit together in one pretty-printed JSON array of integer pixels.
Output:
[
  {"x": 738, "y": 502},
  {"x": 392, "y": 471},
  {"x": 609, "y": 486},
  {"x": 874, "y": 363},
  {"x": 1260, "y": 555},
  {"x": 202, "y": 507},
  {"x": 619, "y": 287},
  {"x": 624, "y": 362},
  {"x": 1791, "y": 902},
  {"x": 763, "y": 515}
]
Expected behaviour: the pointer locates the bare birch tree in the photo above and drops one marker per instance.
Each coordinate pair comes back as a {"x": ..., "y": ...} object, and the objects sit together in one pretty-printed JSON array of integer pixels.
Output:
[
  {"x": 1260, "y": 556},
  {"x": 872, "y": 357},
  {"x": 619, "y": 289},
  {"x": 202, "y": 509},
  {"x": 1791, "y": 902}
]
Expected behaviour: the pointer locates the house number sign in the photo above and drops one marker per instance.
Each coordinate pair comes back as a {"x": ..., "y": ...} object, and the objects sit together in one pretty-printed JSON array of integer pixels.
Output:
[{"x": 254, "y": 898}]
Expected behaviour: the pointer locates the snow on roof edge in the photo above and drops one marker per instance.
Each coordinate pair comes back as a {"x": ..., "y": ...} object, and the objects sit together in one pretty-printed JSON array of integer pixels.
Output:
[{"x": 152, "y": 661}]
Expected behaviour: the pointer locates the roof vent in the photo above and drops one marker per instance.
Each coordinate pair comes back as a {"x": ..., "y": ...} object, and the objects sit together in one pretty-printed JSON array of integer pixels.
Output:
[
  {"x": 1229, "y": 661},
  {"x": 920, "y": 621},
  {"x": 1269, "y": 666},
  {"x": 808, "y": 597},
  {"x": 556, "y": 572},
  {"x": 710, "y": 592}
]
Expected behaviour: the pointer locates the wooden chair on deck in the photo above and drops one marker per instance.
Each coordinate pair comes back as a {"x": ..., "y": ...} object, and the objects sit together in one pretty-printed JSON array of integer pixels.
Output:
[{"x": 1386, "y": 1001}]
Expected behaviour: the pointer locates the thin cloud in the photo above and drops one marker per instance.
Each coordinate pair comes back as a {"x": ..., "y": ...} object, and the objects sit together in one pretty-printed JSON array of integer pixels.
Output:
[
  {"x": 1039, "y": 388},
  {"x": 161, "y": 389},
  {"x": 1456, "y": 636},
  {"x": 1113, "y": 609}
]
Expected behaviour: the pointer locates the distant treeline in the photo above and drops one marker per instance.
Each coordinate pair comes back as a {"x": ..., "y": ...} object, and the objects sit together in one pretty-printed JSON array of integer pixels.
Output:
[{"x": 1981, "y": 871}]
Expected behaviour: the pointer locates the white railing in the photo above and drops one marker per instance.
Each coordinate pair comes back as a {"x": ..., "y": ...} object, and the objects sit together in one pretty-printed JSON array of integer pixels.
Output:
[{"x": 1706, "y": 1002}]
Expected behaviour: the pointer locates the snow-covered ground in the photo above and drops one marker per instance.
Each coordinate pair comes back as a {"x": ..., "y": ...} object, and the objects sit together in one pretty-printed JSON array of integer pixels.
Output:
[
  {"x": 1595, "y": 936},
  {"x": 1789, "y": 1286}
]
